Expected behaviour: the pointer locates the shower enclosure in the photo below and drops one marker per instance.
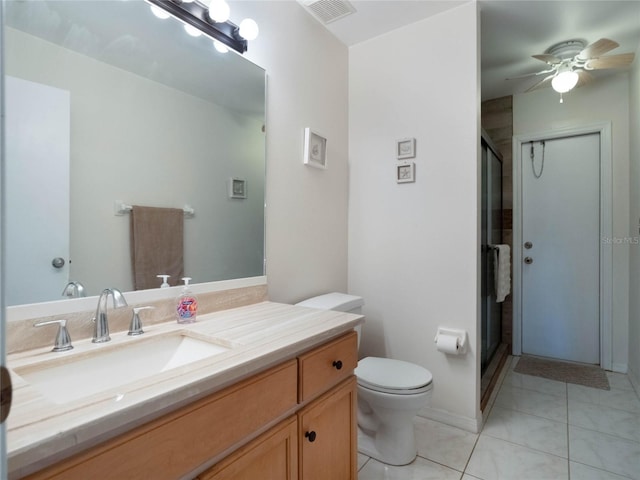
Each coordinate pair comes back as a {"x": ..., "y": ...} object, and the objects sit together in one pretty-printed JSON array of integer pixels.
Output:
[{"x": 491, "y": 235}]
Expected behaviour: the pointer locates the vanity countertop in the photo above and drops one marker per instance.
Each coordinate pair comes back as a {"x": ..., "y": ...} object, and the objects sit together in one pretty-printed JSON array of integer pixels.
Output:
[{"x": 40, "y": 431}]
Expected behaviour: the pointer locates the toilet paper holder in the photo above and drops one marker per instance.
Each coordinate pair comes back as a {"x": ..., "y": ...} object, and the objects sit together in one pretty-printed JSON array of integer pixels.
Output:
[{"x": 461, "y": 338}]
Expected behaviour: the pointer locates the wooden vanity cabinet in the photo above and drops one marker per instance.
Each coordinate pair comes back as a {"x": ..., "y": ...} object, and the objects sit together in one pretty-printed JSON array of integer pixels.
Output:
[
  {"x": 273, "y": 455},
  {"x": 327, "y": 435},
  {"x": 325, "y": 424},
  {"x": 316, "y": 392}
]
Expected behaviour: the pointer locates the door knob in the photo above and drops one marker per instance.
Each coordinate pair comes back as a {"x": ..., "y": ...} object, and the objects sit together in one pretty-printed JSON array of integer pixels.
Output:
[
  {"x": 528, "y": 245},
  {"x": 58, "y": 262},
  {"x": 528, "y": 260}
]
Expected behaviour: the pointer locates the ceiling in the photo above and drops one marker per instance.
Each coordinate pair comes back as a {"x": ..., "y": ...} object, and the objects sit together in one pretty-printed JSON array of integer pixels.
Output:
[{"x": 511, "y": 31}]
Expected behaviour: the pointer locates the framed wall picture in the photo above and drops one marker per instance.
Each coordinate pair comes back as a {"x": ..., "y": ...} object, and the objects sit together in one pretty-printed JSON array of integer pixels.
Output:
[
  {"x": 406, "y": 172},
  {"x": 405, "y": 148},
  {"x": 315, "y": 149},
  {"x": 237, "y": 188}
]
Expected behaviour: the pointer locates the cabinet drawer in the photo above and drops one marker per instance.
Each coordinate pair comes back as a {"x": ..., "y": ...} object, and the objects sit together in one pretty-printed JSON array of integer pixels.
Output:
[
  {"x": 171, "y": 446},
  {"x": 327, "y": 365}
]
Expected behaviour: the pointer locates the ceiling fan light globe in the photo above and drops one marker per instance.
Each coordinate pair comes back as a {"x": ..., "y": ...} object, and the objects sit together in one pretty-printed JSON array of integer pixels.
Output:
[{"x": 564, "y": 81}]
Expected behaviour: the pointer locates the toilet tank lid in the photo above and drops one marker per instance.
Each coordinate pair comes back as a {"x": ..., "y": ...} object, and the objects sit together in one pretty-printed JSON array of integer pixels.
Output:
[{"x": 341, "y": 302}]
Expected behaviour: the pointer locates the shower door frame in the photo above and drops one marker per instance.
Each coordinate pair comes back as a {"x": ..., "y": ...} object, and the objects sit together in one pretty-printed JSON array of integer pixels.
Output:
[{"x": 606, "y": 231}]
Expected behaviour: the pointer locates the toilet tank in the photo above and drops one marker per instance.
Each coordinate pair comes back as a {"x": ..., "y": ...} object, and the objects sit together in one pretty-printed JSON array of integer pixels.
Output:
[{"x": 340, "y": 302}]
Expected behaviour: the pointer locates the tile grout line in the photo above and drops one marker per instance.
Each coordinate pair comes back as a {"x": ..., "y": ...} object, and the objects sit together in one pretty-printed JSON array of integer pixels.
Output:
[{"x": 466, "y": 465}]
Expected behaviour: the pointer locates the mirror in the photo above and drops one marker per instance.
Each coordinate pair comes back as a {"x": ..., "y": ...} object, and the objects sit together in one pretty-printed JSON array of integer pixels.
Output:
[{"x": 139, "y": 113}]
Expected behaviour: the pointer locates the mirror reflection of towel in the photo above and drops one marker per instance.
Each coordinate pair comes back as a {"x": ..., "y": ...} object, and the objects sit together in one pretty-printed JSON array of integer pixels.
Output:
[
  {"x": 502, "y": 271},
  {"x": 156, "y": 246}
]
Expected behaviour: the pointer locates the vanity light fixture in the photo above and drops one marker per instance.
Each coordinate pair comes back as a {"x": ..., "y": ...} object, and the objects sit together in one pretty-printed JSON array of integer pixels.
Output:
[
  {"x": 248, "y": 29},
  {"x": 191, "y": 30},
  {"x": 220, "y": 47},
  {"x": 211, "y": 20},
  {"x": 160, "y": 13},
  {"x": 219, "y": 11}
]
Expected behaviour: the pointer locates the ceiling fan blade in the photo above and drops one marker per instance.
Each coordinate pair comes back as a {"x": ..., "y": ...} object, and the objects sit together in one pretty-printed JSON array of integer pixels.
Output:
[
  {"x": 542, "y": 83},
  {"x": 610, "y": 61},
  {"x": 546, "y": 58},
  {"x": 598, "y": 48},
  {"x": 583, "y": 78},
  {"x": 531, "y": 74}
]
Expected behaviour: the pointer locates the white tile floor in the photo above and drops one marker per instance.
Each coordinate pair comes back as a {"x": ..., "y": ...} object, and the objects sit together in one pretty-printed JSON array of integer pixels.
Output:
[{"x": 537, "y": 429}]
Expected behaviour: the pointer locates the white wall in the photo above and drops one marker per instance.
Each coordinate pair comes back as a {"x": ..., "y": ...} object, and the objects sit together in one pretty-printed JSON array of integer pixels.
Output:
[
  {"x": 306, "y": 207},
  {"x": 604, "y": 100},
  {"x": 144, "y": 143},
  {"x": 413, "y": 248},
  {"x": 634, "y": 223}
]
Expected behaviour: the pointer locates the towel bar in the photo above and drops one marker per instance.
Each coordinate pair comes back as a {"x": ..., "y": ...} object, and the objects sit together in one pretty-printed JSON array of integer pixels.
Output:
[{"x": 120, "y": 208}]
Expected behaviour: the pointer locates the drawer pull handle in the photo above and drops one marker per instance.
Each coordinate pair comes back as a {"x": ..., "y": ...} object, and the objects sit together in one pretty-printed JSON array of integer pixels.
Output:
[
  {"x": 311, "y": 436},
  {"x": 337, "y": 364}
]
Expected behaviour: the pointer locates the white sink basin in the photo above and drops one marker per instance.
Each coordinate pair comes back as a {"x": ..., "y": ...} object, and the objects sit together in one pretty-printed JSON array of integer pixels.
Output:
[{"x": 110, "y": 366}]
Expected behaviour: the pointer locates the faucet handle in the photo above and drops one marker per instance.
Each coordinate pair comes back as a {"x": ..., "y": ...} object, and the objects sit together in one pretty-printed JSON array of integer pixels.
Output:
[
  {"x": 135, "y": 327},
  {"x": 63, "y": 340}
]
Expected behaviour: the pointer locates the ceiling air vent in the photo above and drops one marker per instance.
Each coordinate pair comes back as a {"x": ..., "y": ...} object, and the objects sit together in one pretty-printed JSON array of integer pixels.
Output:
[{"x": 328, "y": 11}]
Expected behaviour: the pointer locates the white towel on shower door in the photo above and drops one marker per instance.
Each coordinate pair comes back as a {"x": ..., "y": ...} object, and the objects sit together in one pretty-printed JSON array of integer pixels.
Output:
[{"x": 502, "y": 271}]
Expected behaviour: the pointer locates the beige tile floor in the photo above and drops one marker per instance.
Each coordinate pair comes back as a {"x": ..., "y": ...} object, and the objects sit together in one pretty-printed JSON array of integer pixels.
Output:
[{"x": 537, "y": 429}]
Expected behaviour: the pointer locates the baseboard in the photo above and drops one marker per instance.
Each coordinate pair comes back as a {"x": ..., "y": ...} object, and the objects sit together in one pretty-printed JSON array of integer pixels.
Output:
[
  {"x": 465, "y": 423},
  {"x": 619, "y": 367}
]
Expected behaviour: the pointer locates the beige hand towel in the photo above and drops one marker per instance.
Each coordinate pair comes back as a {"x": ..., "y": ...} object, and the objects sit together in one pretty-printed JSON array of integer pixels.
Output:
[{"x": 156, "y": 246}]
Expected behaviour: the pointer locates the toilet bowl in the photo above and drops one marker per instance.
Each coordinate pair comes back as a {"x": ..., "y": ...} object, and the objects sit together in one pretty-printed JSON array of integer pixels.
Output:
[{"x": 390, "y": 394}]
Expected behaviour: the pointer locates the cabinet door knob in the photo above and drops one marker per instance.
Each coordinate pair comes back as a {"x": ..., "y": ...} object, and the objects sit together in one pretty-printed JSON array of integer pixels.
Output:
[
  {"x": 311, "y": 436},
  {"x": 337, "y": 364}
]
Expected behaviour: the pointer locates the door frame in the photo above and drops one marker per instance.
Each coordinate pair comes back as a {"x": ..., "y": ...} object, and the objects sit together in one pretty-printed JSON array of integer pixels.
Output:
[{"x": 606, "y": 231}]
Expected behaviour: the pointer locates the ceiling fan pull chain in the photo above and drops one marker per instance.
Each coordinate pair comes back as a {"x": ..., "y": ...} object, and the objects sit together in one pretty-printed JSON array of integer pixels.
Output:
[{"x": 532, "y": 155}]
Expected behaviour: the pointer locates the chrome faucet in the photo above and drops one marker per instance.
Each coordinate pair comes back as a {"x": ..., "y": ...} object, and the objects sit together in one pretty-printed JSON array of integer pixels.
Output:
[
  {"x": 73, "y": 290},
  {"x": 101, "y": 327}
]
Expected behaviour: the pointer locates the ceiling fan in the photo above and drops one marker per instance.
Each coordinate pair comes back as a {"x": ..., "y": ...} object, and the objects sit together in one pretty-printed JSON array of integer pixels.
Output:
[{"x": 569, "y": 63}]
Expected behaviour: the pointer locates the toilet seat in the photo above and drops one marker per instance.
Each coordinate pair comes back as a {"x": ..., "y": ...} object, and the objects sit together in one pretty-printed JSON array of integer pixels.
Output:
[{"x": 393, "y": 376}]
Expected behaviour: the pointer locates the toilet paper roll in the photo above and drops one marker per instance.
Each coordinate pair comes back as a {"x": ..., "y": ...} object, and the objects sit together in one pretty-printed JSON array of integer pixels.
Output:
[{"x": 447, "y": 344}]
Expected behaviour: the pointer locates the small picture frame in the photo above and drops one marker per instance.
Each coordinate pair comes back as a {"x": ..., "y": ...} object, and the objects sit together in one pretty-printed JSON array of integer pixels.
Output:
[
  {"x": 405, "y": 148},
  {"x": 406, "y": 172},
  {"x": 315, "y": 149},
  {"x": 237, "y": 188}
]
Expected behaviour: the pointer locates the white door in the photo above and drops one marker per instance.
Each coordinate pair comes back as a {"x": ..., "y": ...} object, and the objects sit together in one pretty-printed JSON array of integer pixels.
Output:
[
  {"x": 561, "y": 248},
  {"x": 37, "y": 191}
]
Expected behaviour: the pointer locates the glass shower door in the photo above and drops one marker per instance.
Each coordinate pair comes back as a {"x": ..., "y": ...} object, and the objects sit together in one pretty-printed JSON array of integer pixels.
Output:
[{"x": 491, "y": 235}]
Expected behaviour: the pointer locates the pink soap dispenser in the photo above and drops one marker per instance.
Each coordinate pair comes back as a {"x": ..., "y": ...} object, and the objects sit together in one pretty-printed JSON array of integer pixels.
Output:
[{"x": 187, "y": 304}]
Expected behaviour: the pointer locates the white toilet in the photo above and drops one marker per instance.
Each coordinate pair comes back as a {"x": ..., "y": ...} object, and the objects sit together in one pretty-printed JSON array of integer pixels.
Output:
[{"x": 390, "y": 394}]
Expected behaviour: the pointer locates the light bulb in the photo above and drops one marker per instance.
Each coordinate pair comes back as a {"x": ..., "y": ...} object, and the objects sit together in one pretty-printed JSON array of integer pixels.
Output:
[
  {"x": 191, "y": 30},
  {"x": 158, "y": 12},
  {"x": 564, "y": 81},
  {"x": 219, "y": 46},
  {"x": 219, "y": 11},
  {"x": 248, "y": 29}
]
